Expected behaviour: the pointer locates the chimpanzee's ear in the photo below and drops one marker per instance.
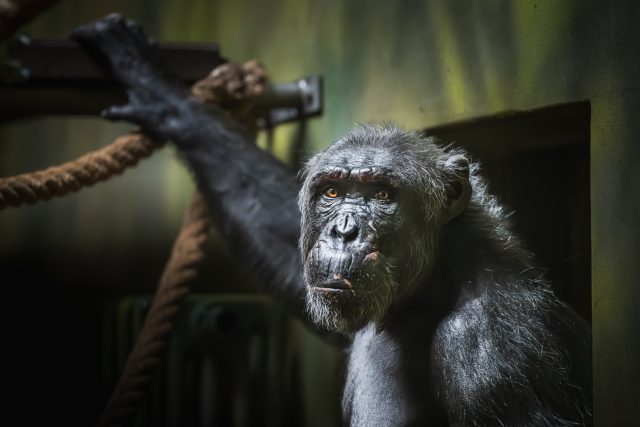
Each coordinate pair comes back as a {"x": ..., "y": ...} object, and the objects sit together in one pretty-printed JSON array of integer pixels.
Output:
[{"x": 458, "y": 186}]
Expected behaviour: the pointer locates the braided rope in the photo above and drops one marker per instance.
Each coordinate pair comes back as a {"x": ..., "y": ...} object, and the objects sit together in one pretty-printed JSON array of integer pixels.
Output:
[
  {"x": 232, "y": 87},
  {"x": 180, "y": 270},
  {"x": 182, "y": 266},
  {"x": 69, "y": 177}
]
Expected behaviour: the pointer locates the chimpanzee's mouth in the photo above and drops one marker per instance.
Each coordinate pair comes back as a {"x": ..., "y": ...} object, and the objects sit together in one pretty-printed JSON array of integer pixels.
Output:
[
  {"x": 344, "y": 272},
  {"x": 336, "y": 286},
  {"x": 337, "y": 283}
]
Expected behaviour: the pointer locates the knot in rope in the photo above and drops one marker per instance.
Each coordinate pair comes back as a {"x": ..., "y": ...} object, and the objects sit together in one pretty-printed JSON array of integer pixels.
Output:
[{"x": 233, "y": 87}]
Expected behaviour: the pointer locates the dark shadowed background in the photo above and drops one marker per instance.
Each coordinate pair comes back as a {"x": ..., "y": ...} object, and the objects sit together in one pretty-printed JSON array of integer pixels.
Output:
[{"x": 77, "y": 271}]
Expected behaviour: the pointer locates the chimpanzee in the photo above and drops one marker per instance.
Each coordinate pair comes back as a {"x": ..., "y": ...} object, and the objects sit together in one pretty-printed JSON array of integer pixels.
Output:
[{"x": 396, "y": 244}]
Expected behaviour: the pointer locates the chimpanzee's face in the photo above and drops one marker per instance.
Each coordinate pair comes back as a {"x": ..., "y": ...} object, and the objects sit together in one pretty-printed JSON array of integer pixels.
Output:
[{"x": 359, "y": 227}]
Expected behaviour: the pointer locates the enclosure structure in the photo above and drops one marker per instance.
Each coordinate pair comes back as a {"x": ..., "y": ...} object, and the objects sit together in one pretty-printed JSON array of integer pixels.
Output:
[{"x": 422, "y": 64}]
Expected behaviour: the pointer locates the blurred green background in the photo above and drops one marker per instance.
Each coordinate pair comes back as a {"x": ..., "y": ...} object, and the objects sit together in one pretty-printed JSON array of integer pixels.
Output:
[{"x": 419, "y": 63}]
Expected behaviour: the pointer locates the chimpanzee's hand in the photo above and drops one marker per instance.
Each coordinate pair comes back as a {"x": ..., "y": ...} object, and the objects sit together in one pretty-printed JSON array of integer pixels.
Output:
[{"x": 157, "y": 100}]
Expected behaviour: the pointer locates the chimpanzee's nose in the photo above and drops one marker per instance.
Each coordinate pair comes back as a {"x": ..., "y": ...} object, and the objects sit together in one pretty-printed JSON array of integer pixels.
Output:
[{"x": 346, "y": 227}]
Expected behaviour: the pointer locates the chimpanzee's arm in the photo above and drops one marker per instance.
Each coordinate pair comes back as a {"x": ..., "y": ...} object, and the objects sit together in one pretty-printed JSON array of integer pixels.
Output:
[{"x": 252, "y": 195}]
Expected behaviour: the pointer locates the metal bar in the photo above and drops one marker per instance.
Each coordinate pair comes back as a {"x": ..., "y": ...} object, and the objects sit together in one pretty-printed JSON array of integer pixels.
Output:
[
  {"x": 60, "y": 78},
  {"x": 59, "y": 60},
  {"x": 291, "y": 101}
]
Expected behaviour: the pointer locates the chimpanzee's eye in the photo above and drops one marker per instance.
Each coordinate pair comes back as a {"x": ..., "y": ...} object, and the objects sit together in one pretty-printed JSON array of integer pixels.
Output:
[
  {"x": 382, "y": 194},
  {"x": 331, "y": 192}
]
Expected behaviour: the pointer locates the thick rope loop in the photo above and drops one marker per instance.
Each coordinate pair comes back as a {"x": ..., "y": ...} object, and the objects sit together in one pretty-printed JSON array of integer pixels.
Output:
[
  {"x": 239, "y": 86},
  {"x": 233, "y": 88},
  {"x": 70, "y": 177},
  {"x": 182, "y": 267}
]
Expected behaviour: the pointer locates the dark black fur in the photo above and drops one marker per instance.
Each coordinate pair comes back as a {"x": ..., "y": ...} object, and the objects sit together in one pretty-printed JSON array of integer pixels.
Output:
[{"x": 403, "y": 249}]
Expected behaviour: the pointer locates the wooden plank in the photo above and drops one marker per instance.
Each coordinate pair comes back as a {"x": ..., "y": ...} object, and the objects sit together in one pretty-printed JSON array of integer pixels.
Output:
[{"x": 519, "y": 130}]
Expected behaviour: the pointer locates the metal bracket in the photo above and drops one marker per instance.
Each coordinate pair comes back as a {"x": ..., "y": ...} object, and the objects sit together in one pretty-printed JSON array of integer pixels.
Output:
[{"x": 290, "y": 101}]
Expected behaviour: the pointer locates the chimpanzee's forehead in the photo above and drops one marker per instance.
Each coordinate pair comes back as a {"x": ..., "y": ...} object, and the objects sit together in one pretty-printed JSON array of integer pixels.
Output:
[
  {"x": 359, "y": 158},
  {"x": 362, "y": 164}
]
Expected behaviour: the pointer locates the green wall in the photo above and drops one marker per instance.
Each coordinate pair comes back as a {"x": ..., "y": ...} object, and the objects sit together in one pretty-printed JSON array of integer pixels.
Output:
[{"x": 418, "y": 63}]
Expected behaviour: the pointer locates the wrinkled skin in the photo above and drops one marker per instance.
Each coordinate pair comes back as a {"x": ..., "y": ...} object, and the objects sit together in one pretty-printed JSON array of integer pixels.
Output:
[
  {"x": 401, "y": 249},
  {"x": 349, "y": 269}
]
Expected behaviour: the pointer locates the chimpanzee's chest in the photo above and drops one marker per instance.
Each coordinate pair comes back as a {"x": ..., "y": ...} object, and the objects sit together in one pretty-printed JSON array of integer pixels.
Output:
[{"x": 375, "y": 392}]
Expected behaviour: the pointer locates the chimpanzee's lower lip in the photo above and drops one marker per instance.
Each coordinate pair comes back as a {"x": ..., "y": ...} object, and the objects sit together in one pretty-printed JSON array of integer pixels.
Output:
[
  {"x": 332, "y": 290},
  {"x": 339, "y": 291},
  {"x": 343, "y": 284}
]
